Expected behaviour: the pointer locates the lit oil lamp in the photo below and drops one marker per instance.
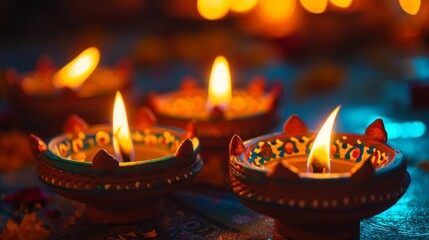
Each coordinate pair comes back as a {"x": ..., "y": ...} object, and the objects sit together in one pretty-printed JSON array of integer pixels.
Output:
[
  {"x": 325, "y": 194},
  {"x": 151, "y": 162},
  {"x": 219, "y": 113},
  {"x": 80, "y": 87}
]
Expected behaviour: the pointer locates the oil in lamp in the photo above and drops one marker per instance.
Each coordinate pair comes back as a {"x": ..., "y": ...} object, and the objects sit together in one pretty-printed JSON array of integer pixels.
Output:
[
  {"x": 80, "y": 87},
  {"x": 219, "y": 112},
  {"x": 322, "y": 193},
  {"x": 120, "y": 174}
]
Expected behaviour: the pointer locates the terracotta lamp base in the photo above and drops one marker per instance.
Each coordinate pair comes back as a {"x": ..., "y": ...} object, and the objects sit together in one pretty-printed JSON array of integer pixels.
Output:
[
  {"x": 251, "y": 112},
  {"x": 42, "y": 108},
  {"x": 125, "y": 213},
  {"x": 269, "y": 175},
  {"x": 118, "y": 192}
]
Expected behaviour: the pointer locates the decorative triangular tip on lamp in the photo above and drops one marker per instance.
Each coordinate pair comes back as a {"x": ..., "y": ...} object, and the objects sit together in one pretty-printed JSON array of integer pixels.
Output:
[
  {"x": 217, "y": 113},
  {"x": 75, "y": 124},
  {"x": 188, "y": 84},
  {"x": 144, "y": 118},
  {"x": 185, "y": 152},
  {"x": 376, "y": 131},
  {"x": 294, "y": 125},
  {"x": 151, "y": 98},
  {"x": 236, "y": 146},
  {"x": 363, "y": 171},
  {"x": 190, "y": 130},
  {"x": 274, "y": 96},
  {"x": 284, "y": 170},
  {"x": 37, "y": 145},
  {"x": 104, "y": 162},
  {"x": 277, "y": 89},
  {"x": 257, "y": 85}
]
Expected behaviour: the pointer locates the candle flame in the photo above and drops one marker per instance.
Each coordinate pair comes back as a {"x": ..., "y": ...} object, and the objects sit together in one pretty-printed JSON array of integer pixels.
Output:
[
  {"x": 220, "y": 92},
  {"x": 319, "y": 159},
  {"x": 213, "y": 9},
  {"x": 122, "y": 143},
  {"x": 342, "y": 3},
  {"x": 78, "y": 70},
  {"x": 313, "y": 6},
  {"x": 411, "y": 7}
]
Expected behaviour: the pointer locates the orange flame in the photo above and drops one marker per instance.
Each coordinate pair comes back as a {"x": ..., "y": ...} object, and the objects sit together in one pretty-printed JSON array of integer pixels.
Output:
[
  {"x": 78, "y": 70},
  {"x": 319, "y": 159},
  {"x": 411, "y": 7},
  {"x": 220, "y": 92},
  {"x": 122, "y": 142},
  {"x": 213, "y": 9}
]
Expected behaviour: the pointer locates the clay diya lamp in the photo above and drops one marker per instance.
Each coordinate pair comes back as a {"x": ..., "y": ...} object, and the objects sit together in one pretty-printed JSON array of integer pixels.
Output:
[
  {"x": 323, "y": 195},
  {"x": 219, "y": 112},
  {"x": 121, "y": 177},
  {"x": 81, "y": 87}
]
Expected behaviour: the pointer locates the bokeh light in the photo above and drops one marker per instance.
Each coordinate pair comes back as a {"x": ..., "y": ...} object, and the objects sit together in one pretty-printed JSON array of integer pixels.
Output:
[
  {"x": 314, "y": 6},
  {"x": 410, "y": 6},
  {"x": 242, "y": 6},
  {"x": 407, "y": 129},
  {"x": 342, "y": 3},
  {"x": 275, "y": 11},
  {"x": 213, "y": 9}
]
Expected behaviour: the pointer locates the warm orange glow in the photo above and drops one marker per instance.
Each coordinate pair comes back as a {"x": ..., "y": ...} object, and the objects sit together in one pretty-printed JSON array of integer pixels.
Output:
[
  {"x": 411, "y": 7},
  {"x": 122, "y": 142},
  {"x": 320, "y": 152},
  {"x": 342, "y": 3},
  {"x": 242, "y": 6},
  {"x": 275, "y": 18},
  {"x": 213, "y": 9},
  {"x": 274, "y": 11},
  {"x": 78, "y": 70},
  {"x": 220, "y": 92},
  {"x": 314, "y": 6}
]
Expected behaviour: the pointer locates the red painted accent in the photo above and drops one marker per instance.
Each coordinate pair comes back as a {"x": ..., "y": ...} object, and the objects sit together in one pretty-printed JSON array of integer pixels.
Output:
[
  {"x": 355, "y": 153},
  {"x": 289, "y": 147},
  {"x": 266, "y": 151}
]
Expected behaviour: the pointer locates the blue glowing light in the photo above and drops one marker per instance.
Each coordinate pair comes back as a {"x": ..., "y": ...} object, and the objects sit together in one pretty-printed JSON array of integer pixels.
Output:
[
  {"x": 421, "y": 67},
  {"x": 409, "y": 129}
]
